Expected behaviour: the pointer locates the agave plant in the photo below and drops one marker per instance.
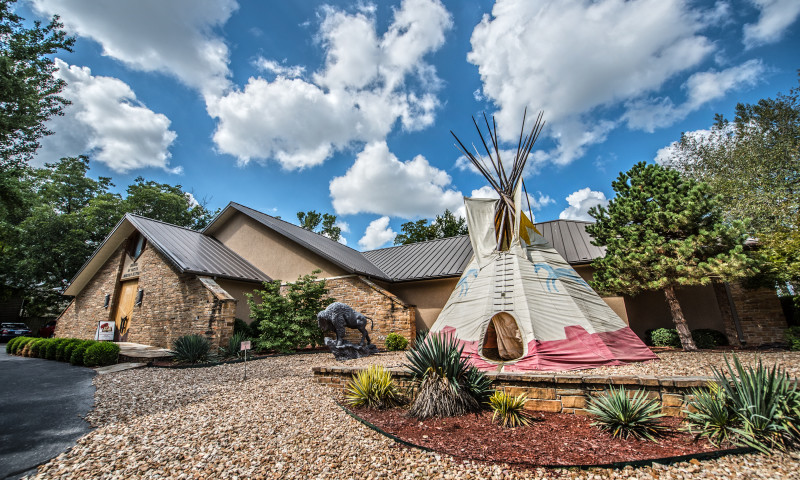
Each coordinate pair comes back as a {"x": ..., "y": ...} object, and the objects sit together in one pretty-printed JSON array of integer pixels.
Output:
[
  {"x": 374, "y": 388},
  {"x": 191, "y": 348},
  {"x": 509, "y": 409},
  {"x": 447, "y": 385},
  {"x": 712, "y": 415},
  {"x": 622, "y": 415},
  {"x": 234, "y": 345},
  {"x": 765, "y": 401}
]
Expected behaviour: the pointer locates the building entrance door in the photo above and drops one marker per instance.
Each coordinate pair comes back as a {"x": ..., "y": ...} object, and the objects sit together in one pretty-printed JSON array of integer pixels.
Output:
[{"x": 127, "y": 298}]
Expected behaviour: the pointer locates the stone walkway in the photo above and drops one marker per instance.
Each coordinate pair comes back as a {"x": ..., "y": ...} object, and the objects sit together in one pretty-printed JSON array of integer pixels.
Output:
[{"x": 136, "y": 351}]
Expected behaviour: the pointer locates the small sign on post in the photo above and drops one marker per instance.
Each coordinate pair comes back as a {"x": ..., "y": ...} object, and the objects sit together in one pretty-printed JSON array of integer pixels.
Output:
[{"x": 244, "y": 348}]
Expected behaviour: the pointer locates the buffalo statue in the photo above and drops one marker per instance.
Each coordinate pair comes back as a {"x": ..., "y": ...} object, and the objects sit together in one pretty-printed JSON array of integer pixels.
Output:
[{"x": 338, "y": 316}]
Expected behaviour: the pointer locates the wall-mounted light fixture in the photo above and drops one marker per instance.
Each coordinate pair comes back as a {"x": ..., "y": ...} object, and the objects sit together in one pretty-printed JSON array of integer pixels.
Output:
[
  {"x": 107, "y": 301},
  {"x": 139, "y": 295}
]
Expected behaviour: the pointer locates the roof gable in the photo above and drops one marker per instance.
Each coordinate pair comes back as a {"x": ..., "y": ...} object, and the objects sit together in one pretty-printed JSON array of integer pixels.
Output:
[{"x": 188, "y": 250}]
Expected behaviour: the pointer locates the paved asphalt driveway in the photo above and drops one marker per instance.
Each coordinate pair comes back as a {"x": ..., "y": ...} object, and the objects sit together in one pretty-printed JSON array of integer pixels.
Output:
[{"x": 42, "y": 405}]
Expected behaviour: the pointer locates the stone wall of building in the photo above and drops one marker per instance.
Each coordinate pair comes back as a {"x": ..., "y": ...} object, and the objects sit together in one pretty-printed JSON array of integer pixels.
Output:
[
  {"x": 389, "y": 313},
  {"x": 760, "y": 315},
  {"x": 79, "y": 319},
  {"x": 173, "y": 304}
]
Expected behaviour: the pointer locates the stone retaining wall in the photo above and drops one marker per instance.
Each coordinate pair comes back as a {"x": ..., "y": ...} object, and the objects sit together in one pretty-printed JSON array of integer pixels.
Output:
[{"x": 554, "y": 393}]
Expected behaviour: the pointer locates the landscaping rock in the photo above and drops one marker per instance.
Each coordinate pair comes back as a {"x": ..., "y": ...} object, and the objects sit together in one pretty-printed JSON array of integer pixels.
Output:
[{"x": 349, "y": 351}]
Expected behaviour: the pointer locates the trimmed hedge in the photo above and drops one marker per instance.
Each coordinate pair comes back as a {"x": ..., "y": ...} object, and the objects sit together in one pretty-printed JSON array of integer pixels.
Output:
[
  {"x": 35, "y": 346},
  {"x": 78, "y": 353},
  {"x": 10, "y": 345},
  {"x": 101, "y": 354},
  {"x": 395, "y": 342},
  {"x": 19, "y": 347},
  {"x": 703, "y": 338}
]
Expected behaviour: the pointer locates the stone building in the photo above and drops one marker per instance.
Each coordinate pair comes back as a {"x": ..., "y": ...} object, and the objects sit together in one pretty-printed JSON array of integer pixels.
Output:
[{"x": 157, "y": 281}]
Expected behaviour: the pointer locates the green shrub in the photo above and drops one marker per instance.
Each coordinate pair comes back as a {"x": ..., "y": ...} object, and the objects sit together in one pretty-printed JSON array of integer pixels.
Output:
[
  {"x": 510, "y": 409},
  {"x": 10, "y": 345},
  {"x": 622, "y": 415},
  {"x": 712, "y": 415},
  {"x": 191, "y": 348},
  {"x": 665, "y": 337},
  {"x": 373, "y": 388},
  {"x": 76, "y": 357},
  {"x": 35, "y": 347},
  {"x": 66, "y": 356},
  {"x": 766, "y": 404},
  {"x": 792, "y": 336},
  {"x": 61, "y": 349},
  {"x": 447, "y": 385},
  {"x": 708, "y": 338},
  {"x": 234, "y": 348},
  {"x": 101, "y": 354},
  {"x": 287, "y": 322},
  {"x": 21, "y": 344},
  {"x": 50, "y": 348},
  {"x": 395, "y": 342},
  {"x": 240, "y": 326}
]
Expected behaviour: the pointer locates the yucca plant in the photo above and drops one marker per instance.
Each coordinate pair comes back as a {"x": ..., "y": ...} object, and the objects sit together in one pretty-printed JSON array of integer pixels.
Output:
[
  {"x": 712, "y": 415},
  {"x": 623, "y": 416},
  {"x": 447, "y": 385},
  {"x": 373, "y": 388},
  {"x": 766, "y": 403},
  {"x": 191, "y": 348},
  {"x": 234, "y": 345},
  {"x": 510, "y": 409}
]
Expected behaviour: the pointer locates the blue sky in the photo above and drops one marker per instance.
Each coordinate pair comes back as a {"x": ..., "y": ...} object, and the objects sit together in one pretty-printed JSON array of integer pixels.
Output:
[{"x": 346, "y": 107}]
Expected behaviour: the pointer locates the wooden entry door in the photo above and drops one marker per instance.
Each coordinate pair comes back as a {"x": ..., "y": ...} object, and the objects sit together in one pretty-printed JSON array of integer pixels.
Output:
[{"x": 122, "y": 316}]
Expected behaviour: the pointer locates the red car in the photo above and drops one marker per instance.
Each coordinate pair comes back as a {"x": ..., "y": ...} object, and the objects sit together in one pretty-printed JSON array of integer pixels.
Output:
[{"x": 48, "y": 329}]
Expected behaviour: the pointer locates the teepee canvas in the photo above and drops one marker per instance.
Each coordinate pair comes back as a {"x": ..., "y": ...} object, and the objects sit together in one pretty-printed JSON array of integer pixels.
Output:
[{"x": 519, "y": 305}]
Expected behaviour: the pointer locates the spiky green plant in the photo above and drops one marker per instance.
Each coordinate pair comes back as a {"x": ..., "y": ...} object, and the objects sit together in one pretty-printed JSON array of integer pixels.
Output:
[
  {"x": 446, "y": 384},
  {"x": 373, "y": 388},
  {"x": 765, "y": 401},
  {"x": 510, "y": 409},
  {"x": 234, "y": 345},
  {"x": 623, "y": 415},
  {"x": 191, "y": 348},
  {"x": 712, "y": 415}
]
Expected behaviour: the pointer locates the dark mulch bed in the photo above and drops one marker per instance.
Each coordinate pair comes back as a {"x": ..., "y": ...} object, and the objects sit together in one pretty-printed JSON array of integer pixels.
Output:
[{"x": 552, "y": 439}]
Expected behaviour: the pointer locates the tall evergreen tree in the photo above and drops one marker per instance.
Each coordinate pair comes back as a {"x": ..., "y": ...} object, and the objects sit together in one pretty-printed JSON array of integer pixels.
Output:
[
  {"x": 311, "y": 220},
  {"x": 662, "y": 231}
]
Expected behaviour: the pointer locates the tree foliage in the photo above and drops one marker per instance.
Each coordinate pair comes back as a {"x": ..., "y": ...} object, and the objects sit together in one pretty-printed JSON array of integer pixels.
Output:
[
  {"x": 443, "y": 226},
  {"x": 29, "y": 93},
  {"x": 662, "y": 231},
  {"x": 311, "y": 220},
  {"x": 753, "y": 163},
  {"x": 61, "y": 215},
  {"x": 288, "y": 322}
]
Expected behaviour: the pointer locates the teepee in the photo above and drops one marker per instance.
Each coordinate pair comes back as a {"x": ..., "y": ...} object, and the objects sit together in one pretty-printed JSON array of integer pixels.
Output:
[{"x": 519, "y": 305}]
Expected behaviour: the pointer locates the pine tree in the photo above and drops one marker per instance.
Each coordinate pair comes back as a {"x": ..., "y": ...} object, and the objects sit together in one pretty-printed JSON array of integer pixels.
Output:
[{"x": 662, "y": 231}]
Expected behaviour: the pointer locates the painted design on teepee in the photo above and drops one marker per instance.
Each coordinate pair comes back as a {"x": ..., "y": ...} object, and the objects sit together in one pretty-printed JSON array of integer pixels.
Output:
[
  {"x": 555, "y": 274},
  {"x": 463, "y": 284}
]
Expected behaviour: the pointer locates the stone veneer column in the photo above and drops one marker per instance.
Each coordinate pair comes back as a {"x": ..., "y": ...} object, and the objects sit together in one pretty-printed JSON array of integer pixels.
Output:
[{"x": 760, "y": 314}]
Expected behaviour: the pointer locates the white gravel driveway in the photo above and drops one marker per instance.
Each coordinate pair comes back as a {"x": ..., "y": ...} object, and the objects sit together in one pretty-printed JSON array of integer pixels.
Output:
[{"x": 209, "y": 423}]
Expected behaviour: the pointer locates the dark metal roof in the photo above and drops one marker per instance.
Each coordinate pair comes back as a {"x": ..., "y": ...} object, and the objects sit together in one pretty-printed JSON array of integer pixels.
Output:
[
  {"x": 444, "y": 257},
  {"x": 570, "y": 239},
  {"x": 341, "y": 255},
  {"x": 193, "y": 252},
  {"x": 447, "y": 257}
]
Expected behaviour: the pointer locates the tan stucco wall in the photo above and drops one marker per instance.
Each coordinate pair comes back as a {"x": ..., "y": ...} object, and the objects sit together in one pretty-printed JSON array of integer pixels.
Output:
[
  {"x": 237, "y": 291},
  {"x": 272, "y": 253},
  {"x": 699, "y": 305},
  {"x": 428, "y": 296}
]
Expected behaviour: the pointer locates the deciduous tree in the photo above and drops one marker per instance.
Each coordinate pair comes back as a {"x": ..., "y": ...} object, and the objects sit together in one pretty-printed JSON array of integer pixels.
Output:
[{"x": 443, "y": 226}]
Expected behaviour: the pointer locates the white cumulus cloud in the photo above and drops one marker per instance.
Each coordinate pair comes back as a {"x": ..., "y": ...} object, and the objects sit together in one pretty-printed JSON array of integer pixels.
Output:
[
  {"x": 174, "y": 37},
  {"x": 367, "y": 84},
  {"x": 378, "y": 234},
  {"x": 380, "y": 183},
  {"x": 701, "y": 88},
  {"x": 106, "y": 120},
  {"x": 774, "y": 18},
  {"x": 575, "y": 58},
  {"x": 580, "y": 202}
]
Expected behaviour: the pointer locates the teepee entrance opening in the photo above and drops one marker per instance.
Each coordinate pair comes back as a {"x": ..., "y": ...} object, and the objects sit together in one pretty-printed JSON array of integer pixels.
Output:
[{"x": 503, "y": 340}]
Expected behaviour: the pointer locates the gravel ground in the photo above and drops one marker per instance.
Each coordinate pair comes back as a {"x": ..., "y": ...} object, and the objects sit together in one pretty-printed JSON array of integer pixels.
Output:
[{"x": 209, "y": 423}]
